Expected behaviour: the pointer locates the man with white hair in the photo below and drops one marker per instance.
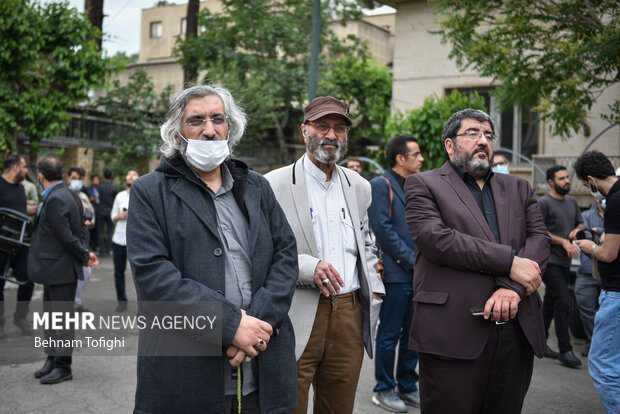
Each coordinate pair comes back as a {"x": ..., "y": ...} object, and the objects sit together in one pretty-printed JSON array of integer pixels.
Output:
[{"x": 204, "y": 228}]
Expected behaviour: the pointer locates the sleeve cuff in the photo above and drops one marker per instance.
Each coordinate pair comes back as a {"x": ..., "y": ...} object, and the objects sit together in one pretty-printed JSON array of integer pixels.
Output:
[{"x": 502, "y": 284}]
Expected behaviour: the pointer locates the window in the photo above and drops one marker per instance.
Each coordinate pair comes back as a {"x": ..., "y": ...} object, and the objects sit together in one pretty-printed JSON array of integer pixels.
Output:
[
  {"x": 183, "y": 26},
  {"x": 157, "y": 30},
  {"x": 515, "y": 122}
]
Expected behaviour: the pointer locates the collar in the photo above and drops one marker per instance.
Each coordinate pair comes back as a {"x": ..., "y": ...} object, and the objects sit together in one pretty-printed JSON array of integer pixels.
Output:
[
  {"x": 615, "y": 187},
  {"x": 46, "y": 192},
  {"x": 399, "y": 178},
  {"x": 465, "y": 176},
  {"x": 318, "y": 174},
  {"x": 227, "y": 180}
]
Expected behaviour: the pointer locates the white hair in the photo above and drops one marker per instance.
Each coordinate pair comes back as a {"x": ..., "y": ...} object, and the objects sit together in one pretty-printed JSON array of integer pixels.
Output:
[{"x": 172, "y": 126}]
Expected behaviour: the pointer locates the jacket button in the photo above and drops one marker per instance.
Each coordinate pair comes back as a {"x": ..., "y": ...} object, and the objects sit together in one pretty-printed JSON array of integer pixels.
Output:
[{"x": 217, "y": 252}]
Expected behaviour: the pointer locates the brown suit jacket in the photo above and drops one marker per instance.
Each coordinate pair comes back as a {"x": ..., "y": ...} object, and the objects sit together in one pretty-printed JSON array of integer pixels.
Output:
[{"x": 458, "y": 260}]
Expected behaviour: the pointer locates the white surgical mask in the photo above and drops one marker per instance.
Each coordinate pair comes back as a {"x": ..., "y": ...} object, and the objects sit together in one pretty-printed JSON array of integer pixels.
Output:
[
  {"x": 76, "y": 185},
  {"x": 596, "y": 193},
  {"x": 206, "y": 155},
  {"x": 501, "y": 169}
]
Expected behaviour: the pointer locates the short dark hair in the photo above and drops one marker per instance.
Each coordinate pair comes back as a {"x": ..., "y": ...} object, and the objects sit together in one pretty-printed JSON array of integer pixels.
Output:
[
  {"x": 552, "y": 170},
  {"x": 452, "y": 126},
  {"x": 107, "y": 174},
  {"x": 51, "y": 168},
  {"x": 504, "y": 154},
  {"x": 397, "y": 145},
  {"x": 593, "y": 163},
  {"x": 12, "y": 160},
  {"x": 132, "y": 169},
  {"x": 93, "y": 176},
  {"x": 81, "y": 172}
]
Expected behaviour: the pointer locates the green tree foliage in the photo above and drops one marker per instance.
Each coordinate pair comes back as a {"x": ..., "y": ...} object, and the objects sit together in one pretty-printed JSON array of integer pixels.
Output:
[
  {"x": 261, "y": 53},
  {"x": 367, "y": 87},
  {"x": 426, "y": 124},
  {"x": 554, "y": 55},
  {"x": 137, "y": 111},
  {"x": 48, "y": 62},
  {"x": 119, "y": 61}
]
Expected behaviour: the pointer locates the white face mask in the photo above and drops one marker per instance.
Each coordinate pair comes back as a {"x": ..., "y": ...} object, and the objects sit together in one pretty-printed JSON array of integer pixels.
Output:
[
  {"x": 206, "y": 155},
  {"x": 596, "y": 193},
  {"x": 76, "y": 185},
  {"x": 501, "y": 169}
]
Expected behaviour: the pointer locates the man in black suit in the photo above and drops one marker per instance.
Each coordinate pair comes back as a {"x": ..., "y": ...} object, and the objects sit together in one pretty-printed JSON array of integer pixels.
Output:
[{"x": 58, "y": 250}]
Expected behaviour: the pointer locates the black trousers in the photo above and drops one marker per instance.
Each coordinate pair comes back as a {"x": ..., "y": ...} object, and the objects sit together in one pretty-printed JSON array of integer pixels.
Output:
[
  {"x": 120, "y": 263},
  {"x": 556, "y": 304},
  {"x": 19, "y": 263},
  {"x": 59, "y": 298},
  {"x": 495, "y": 382},
  {"x": 105, "y": 228}
]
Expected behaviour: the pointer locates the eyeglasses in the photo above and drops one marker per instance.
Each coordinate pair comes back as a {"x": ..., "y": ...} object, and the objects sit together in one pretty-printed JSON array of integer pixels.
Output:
[
  {"x": 200, "y": 123},
  {"x": 323, "y": 129},
  {"x": 413, "y": 154},
  {"x": 472, "y": 134}
]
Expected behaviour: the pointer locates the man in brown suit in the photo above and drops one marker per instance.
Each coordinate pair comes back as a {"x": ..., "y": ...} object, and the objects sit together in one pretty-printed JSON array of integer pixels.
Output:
[{"x": 481, "y": 245}]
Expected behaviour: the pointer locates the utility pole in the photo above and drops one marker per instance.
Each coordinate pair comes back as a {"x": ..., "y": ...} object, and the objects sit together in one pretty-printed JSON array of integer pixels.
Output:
[
  {"x": 314, "y": 52},
  {"x": 94, "y": 11}
]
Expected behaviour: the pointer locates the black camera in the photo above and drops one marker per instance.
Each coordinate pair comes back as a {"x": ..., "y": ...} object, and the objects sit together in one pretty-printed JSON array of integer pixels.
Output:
[{"x": 585, "y": 233}]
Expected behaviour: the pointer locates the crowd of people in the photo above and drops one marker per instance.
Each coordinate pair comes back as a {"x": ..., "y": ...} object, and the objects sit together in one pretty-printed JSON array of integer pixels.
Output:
[{"x": 433, "y": 274}]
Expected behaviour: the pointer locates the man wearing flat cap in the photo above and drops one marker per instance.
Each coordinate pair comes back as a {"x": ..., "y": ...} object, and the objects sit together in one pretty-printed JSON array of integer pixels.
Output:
[{"x": 338, "y": 296}]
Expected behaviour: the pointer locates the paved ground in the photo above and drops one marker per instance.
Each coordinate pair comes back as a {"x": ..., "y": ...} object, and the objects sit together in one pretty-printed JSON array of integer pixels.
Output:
[{"x": 105, "y": 384}]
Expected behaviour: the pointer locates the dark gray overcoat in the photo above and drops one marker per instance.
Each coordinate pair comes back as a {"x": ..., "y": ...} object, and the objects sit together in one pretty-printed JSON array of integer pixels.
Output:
[{"x": 176, "y": 255}]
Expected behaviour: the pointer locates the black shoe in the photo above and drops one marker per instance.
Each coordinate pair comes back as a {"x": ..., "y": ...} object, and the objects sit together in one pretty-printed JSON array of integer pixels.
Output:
[
  {"x": 24, "y": 326},
  {"x": 47, "y": 368},
  {"x": 1, "y": 331},
  {"x": 81, "y": 308},
  {"x": 57, "y": 375},
  {"x": 121, "y": 307},
  {"x": 549, "y": 353},
  {"x": 586, "y": 350},
  {"x": 569, "y": 359}
]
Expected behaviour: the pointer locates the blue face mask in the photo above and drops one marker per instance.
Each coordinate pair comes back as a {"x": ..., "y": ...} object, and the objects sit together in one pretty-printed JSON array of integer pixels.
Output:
[
  {"x": 501, "y": 169},
  {"x": 604, "y": 204},
  {"x": 76, "y": 185}
]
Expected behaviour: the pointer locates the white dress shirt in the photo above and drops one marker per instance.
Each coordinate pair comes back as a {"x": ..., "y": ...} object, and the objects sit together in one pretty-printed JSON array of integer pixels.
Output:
[
  {"x": 120, "y": 202},
  {"x": 331, "y": 221}
]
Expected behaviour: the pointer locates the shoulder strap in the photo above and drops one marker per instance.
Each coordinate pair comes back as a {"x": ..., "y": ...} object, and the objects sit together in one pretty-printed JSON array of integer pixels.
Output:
[{"x": 391, "y": 193}]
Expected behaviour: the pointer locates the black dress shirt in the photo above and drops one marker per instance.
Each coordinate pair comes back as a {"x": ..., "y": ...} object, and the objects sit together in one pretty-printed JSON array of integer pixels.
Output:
[
  {"x": 399, "y": 179},
  {"x": 484, "y": 199}
]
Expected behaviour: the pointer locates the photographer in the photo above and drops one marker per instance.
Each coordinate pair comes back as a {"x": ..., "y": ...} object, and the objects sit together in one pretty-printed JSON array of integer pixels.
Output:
[
  {"x": 75, "y": 178},
  {"x": 597, "y": 173},
  {"x": 587, "y": 289}
]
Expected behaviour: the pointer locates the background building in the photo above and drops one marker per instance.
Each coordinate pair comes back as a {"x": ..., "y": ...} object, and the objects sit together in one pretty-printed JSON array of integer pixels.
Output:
[
  {"x": 422, "y": 67},
  {"x": 162, "y": 24}
]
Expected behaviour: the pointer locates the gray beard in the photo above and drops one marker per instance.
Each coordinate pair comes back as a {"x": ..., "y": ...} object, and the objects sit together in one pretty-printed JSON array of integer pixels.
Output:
[
  {"x": 325, "y": 156},
  {"x": 476, "y": 167}
]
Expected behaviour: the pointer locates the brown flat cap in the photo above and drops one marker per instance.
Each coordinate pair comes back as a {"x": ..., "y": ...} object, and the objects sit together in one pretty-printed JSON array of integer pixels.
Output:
[{"x": 326, "y": 105}]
